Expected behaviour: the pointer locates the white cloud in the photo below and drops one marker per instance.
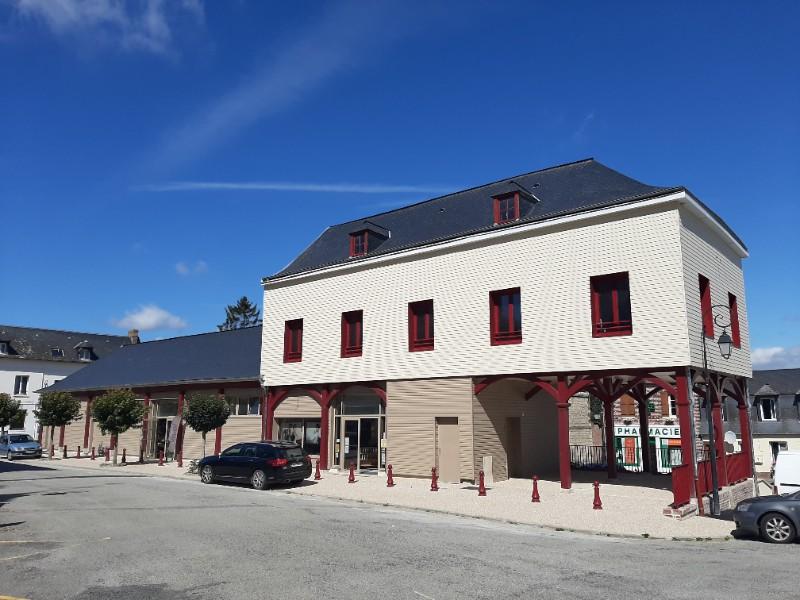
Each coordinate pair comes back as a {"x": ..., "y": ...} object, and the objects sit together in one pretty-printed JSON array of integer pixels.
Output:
[
  {"x": 132, "y": 25},
  {"x": 776, "y": 357},
  {"x": 580, "y": 131},
  {"x": 183, "y": 268},
  {"x": 285, "y": 186},
  {"x": 149, "y": 317}
]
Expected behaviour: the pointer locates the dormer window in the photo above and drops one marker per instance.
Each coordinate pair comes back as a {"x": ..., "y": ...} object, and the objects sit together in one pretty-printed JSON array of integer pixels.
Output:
[
  {"x": 358, "y": 243},
  {"x": 56, "y": 353},
  {"x": 506, "y": 208},
  {"x": 85, "y": 354},
  {"x": 3, "y": 348}
]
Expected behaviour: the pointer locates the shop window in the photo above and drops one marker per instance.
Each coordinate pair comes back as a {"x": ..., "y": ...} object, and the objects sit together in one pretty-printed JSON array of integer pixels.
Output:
[
  {"x": 767, "y": 409},
  {"x": 21, "y": 385},
  {"x": 358, "y": 243},
  {"x": 304, "y": 432},
  {"x": 245, "y": 406},
  {"x": 505, "y": 317},
  {"x": 611, "y": 305},
  {"x": 706, "y": 314},
  {"x": 420, "y": 326},
  {"x": 293, "y": 341},
  {"x": 506, "y": 208},
  {"x": 352, "y": 333},
  {"x": 733, "y": 305}
]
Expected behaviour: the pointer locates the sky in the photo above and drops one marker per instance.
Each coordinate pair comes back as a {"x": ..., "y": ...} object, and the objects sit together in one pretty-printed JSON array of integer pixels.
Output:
[{"x": 158, "y": 158}]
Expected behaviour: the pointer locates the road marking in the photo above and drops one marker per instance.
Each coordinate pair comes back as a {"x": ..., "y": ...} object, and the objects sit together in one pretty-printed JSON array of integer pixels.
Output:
[
  {"x": 415, "y": 591},
  {"x": 11, "y": 598}
]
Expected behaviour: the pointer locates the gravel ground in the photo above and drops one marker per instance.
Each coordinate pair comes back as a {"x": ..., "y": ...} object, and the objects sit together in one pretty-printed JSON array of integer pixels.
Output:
[{"x": 628, "y": 510}]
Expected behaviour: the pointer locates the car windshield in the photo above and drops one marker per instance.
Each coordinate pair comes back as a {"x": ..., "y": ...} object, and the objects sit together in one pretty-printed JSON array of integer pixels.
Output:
[{"x": 20, "y": 439}]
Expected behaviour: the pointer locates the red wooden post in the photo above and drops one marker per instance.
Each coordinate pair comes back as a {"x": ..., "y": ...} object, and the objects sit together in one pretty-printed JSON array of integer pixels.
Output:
[
  {"x": 52, "y": 451},
  {"x": 597, "y": 505},
  {"x": 324, "y": 433},
  {"x": 93, "y": 456},
  {"x": 64, "y": 452},
  {"x": 87, "y": 425},
  {"x": 535, "y": 495},
  {"x": 77, "y": 452},
  {"x": 317, "y": 475},
  {"x": 686, "y": 423},
  {"x": 562, "y": 403},
  {"x": 719, "y": 439},
  {"x": 389, "y": 478},
  {"x": 180, "y": 459},
  {"x": 61, "y": 436},
  {"x": 611, "y": 454},
  {"x": 644, "y": 434},
  {"x": 744, "y": 424},
  {"x": 352, "y": 477},
  {"x": 143, "y": 445},
  {"x": 434, "y": 480},
  {"x": 124, "y": 456},
  {"x": 179, "y": 436},
  {"x": 108, "y": 454},
  {"x": 481, "y": 484},
  {"x": 161, "y": 458},
  {"x": 270, "y": 414}
]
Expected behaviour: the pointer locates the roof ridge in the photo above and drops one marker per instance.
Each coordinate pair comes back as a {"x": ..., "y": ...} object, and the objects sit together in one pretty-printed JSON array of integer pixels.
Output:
[
  {"x": 469, "y": 189},
  {"x": 180, "y": 337},
  {"x": 64, "y": 331}
]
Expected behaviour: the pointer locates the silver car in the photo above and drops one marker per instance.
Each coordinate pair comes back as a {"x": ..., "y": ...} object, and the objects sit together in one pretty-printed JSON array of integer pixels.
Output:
[{"x": 19, "y": 445}]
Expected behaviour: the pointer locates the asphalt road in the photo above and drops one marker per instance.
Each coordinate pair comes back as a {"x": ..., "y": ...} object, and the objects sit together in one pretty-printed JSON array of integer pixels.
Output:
[{"x": 87, "y": 535}]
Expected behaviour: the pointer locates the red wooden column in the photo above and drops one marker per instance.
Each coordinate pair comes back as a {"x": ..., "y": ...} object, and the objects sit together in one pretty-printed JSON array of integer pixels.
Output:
[
  {"x": 744, "y": 432},
  {"x": 324, "y": 427},
  {"x": 87, "y": 425},
  {"x": 562, "y": 405},
  {"x": 218, "y": 430},
  {"x": 644, "y": 435},
  {"x": 686, "y": 423},
  {"x": 179, "y": 437},
  {"x": 263, "y": 414},
  {"x": 719, "y": 440},
  {"x": 270, "y": 413},
  {"x": 145, "y": 428},
  {"x": 611, "y": 454}
]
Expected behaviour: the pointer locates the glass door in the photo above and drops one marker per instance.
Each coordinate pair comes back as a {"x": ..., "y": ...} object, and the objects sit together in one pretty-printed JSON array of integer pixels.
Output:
[
  {"x": 350, "y": 454},
  {"x": 368, "y": 443}
]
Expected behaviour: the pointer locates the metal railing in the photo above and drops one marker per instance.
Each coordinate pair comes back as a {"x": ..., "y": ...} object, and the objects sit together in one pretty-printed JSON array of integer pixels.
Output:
[{"x": 629, "y": 458}]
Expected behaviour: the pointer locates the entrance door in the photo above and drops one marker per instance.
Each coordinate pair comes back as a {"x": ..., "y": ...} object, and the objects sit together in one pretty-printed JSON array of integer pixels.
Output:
[
  {"x": 349, "y": 443},
  {"x": 447, "y": 462},
  {"x": 368, "y": 444},
  {"x": 514, "y": 446}
]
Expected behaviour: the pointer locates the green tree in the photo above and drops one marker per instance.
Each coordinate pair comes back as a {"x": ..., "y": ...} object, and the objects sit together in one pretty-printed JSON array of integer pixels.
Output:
[
  {"x": 205, "y": 413},
  {"x": 57, "y": 409},
  {"x": 116, "y": 411},
  {"x": 242, "y": 314},
  {"x": 9, "y": 407}
]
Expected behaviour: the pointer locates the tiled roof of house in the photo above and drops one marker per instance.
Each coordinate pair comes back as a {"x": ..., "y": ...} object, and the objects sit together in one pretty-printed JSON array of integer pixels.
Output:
[
  {"x": 216, "y": 357},
  {"x": 33, "y": 343},
  {"x": 779, "y": 381},
  {"x": 562, "y": 190}
]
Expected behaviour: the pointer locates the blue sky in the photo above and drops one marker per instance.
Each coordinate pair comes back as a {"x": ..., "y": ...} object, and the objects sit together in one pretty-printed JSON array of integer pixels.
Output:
[{"x": 116, "y": 116}]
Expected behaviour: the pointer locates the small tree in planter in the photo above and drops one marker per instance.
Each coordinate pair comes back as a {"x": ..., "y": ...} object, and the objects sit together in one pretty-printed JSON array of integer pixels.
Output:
[
  {"x": 57, "y": 409},
  {"x": 8, "y": 410},
  {"x": 116, "y": 411},
  {"x": 205, "y": 413}
]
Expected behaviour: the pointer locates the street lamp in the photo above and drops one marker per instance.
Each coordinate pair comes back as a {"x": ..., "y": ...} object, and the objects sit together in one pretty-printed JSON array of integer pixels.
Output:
[{"x": 725, "y": 343}]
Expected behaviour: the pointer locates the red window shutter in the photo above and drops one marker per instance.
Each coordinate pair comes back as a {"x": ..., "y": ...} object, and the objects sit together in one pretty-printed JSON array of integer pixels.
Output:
[
  {"x": 293, "y": 341},
  {"x": 420, "y": 326},
  {"x": 352, "y": 333},
  {"x": 611, "y": 305},
  {"x": 505, "y": 317},
  {"x": 734, "y": 310},
  {"x": 705, "y": 307}
]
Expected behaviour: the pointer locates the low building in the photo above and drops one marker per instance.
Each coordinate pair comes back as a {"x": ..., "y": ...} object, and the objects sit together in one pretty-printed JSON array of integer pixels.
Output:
[
  {"x": 32, "y": 358},
  {"x": 164, "y": 374}
]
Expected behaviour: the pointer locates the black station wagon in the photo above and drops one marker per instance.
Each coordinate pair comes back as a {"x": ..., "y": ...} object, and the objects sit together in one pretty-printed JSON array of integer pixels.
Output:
[{"x": 259, "y": 463}]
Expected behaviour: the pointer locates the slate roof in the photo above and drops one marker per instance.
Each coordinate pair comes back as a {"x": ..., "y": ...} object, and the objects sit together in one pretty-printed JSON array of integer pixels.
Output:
[
  {"x": 780, "y": 381},
  {"x": 556, "y": 191},
  {"x": 220, "y": 356},
  {"x": 37, "y": 344}
]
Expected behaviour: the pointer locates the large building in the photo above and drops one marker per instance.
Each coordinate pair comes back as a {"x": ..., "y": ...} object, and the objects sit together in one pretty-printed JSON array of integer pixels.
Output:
[
  {"x": 454, "y": 332},
  {"x": 32, "y": 358}
]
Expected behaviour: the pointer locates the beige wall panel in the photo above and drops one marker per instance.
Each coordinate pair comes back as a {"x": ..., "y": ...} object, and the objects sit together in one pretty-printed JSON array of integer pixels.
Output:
[
  {"x": 238, "y": 429},
  {"x": 131, "y": 441},
  {"x": 580, "y": 427},
  {"x": 411, "y": 411},
  {"x": 193, "y": 443},
  {"x": 98, "y": 438},
  {"x": 298, "y": 405},
  {"x": 73, "y": 432}
]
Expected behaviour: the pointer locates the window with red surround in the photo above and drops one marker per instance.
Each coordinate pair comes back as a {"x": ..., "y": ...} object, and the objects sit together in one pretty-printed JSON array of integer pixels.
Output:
[
  {"x": 734, "y": 308},
  {"x": 293, "y": 341},
  {"x": 611, "y": 305},
  {"x": 505, "y": 317},
  {"x": 506, "y": 208},
  {"x": 705, "y": 307},
  {"x": 352, "y": 333},
  {"x": 358, "y": 243},
  {"x": 420, "y": 326}
]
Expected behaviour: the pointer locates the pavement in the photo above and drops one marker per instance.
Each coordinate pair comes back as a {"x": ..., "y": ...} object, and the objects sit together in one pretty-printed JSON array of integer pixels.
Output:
[
  {"x": 632, "y": 505},
  {"x": 114, "y": 534}
]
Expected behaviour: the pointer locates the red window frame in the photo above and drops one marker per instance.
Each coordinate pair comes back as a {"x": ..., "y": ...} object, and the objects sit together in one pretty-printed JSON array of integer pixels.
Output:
[
  {"x": 612, "y": 282},
  {"x": 293, "y": 341},
  {"x": 359, "y": 243},
  {"x": 506, "y": 208},
  {"x": 733, "y": 306},
  {"x": 513, "y": 333},
  {"x": 705, "y": 306},
  {"x": 420, "y": 314},
  {"x": 352, "y": 327}
]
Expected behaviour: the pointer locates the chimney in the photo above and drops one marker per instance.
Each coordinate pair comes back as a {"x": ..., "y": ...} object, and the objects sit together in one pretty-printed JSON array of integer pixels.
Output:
[{"x": 133, "y": 334}]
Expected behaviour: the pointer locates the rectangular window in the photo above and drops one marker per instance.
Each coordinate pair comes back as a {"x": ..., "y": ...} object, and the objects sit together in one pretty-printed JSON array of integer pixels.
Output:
[
  {"x": 3, "y": 347},
  {"x": 506, "y": 208},
  {"x": 358, "y": 243},
  {"x": 611, "y": 305},
  {"x": 245, "y": 406},
  {"x": 505, "y": 317},
  {"x": 734, "y": 308},
  {"x": 352, "y": 333},
  {"x": 705, "y": 307},
  {"x": 293, "y": 341},
  {"x": 56, "y": 353},
  {"x": 420, "y": 326},
  {"x": 85, "y": 354},
  {"x": 305, "y": 432},
  {"x": 767, "y": 409},
  {"x": 20, "y": 385}
]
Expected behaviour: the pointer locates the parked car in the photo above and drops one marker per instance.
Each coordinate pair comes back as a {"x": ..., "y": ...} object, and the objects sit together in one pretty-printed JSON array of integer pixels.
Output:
[
  {"x": 786, "y": 473},
  {"x": 775, "y": 518},
  {"x": 19, "y": 445},
  {"x": 259, "y": 463}
]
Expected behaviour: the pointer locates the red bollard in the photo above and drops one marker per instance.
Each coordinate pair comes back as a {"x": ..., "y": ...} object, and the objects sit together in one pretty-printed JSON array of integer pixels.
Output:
[
  {"x": 124, "y": 457},
  {"x": 389, "y": 478},
  {"x": 535, "y": 495},
  {"x": 92, "y": 452},
  {"x": 434, "y": 480},
  {"x": 317, "y": 474},
  {"x": 352, "y": 477},
  {"x": 78, "y": 452},
  {"x": 65, "y": 452},
  {"x": 597, "y": 505},
  {"x": 481, "y": 485},
  {"x": 52, "y": 451},
  {"x": 161, "y": 459},
  {"x": 108, "y": 454},
  {"x": 180, "y": 459}
]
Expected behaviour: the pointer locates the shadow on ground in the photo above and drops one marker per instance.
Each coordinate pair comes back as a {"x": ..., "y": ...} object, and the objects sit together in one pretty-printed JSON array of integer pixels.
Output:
[{"x": 159, "y": 591}]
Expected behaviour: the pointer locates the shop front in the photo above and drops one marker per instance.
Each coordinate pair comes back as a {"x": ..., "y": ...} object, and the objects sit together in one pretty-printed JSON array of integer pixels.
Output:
[{"x": 664, "y": 443}]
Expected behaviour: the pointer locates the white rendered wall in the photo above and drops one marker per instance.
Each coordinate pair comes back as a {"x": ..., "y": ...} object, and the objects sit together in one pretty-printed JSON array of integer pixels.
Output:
[{"x": 552, "y": 266}]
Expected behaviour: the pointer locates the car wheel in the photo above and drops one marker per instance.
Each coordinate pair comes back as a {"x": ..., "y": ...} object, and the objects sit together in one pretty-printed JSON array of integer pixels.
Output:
[
  {"x": 777, "y": 529},
  {"x": 258, "y": 479},
  {"x": 207, "y": 475},
  {"x": 8, "y": 455}
]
